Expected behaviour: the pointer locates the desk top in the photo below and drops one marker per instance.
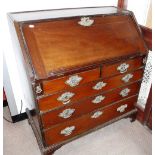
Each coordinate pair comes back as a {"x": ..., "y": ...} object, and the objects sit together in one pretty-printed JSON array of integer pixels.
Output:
[{"x": 63, "y": 43}]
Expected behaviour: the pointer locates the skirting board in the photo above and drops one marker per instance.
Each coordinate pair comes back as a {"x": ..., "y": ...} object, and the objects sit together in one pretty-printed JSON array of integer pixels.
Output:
[{"x": 20, "y": 117}]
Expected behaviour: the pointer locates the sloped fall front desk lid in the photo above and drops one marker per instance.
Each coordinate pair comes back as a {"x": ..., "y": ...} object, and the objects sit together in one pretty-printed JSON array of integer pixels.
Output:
[{"x": 63, "y": 43}]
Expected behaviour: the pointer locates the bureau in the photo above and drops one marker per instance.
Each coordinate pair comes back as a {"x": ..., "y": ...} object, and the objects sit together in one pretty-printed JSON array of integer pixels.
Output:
[{"x": 85, "y": 67}]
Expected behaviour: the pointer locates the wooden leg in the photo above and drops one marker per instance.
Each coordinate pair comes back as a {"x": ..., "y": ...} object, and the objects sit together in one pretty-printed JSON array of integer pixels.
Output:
[
  {"x": 133, "y": 117},
  {"x": 51, "y": 151}
]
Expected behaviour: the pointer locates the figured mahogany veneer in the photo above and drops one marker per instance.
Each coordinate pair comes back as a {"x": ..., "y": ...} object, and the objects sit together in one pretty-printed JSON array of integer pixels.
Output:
[
  {"x": 82, "y": 107},
  {"x": 50, "y": 102},
  {"x": 84, "y": 123},
  {"x": 64, "y": 44},
  {"x": 52, "y": 86}
]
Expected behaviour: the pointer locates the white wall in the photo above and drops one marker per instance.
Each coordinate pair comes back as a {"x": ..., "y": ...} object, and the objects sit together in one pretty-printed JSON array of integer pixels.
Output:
[{"x": 140, "y": 9}]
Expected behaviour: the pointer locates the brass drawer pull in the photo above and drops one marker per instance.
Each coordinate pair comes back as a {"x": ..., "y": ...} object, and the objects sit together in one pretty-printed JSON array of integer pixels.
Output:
[
  {"x": 67, "y": 131},
  {"x": 73, "y": 80},
  {"x": 65, "y": 97},
  {"x": 144, "y": 60},
  {"x": 98, "y": 99},
  {"x": 127, "y": 77},
  {"x": 67, "y": 113},
  {"x": 99, "y": 85},
  {"x": 122, "y": 108},
  {"x": 38, "y": 89},
  {"x": 97, "y": 114},
  {"x": 86, "y": 21},
  {"x": 123, "y": 68},
  {"x": 125, "y": 92}
]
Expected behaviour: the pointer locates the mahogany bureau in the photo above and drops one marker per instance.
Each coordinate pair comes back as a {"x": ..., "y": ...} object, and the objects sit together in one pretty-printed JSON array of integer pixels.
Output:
[{"x": 85, "y": 67}]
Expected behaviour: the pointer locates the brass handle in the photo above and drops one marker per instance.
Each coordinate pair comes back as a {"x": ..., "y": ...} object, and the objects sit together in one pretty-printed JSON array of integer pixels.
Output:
[
  {"x": 97, "y": 114},
  {"x": 122, "y": 108},
  {"x": 125, "y": 92},
  {"x": 98, "y": 99},
  {"x": 67, "y": 113},
  {"x": 65, "y": 97},
  {"x": 86, "y": 21},
  {"x": 144, "y": 60},
  {"x": 127, "y": 77},
  {"x": 123, "y": 67},
  {"x": 67, "y": 131},
  {"x": 38, "y": 89},
  {"x": 99, "y": 85},
  {"x": 73, "y": 80}
]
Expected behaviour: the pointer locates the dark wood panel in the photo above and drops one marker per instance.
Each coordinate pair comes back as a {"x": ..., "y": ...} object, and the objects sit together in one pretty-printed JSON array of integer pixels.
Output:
[
  {"x": 148, "y": 109},
  {"x": 109, "y": 70},
  {"x": 52, "y": 86},
  {"x": 51, "y": 101},
  {"x": 68, "y": 45},
  {"x": 147, "y": 34},
  {"x": 86, "y": 106},
  {"x": 85, "y": 123},
  {"x": 149, "y": 123}
]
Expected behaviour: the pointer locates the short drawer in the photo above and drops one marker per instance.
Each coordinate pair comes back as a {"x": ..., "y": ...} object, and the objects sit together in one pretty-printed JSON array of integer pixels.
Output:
[
  {"x": 71, "y": 81},
  {"x": 122, "y": 67},
  {"x": 85, "y": 91},
  {"x": 82, "y": 124},
  {"x": 75, "y": 110}
]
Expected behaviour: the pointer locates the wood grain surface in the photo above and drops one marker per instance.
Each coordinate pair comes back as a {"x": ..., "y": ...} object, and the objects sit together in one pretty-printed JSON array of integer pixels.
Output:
[
  {"x": 84, "y": 91},
  {"x": 64, "y": 44},
  {"x": 86, "y": 106},
  {"x": 82, "y": 124}
]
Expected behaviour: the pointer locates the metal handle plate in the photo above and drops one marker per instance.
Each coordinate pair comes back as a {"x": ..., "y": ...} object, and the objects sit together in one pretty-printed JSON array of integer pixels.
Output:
[
  {"x": 65, "y": 97},
  {"x": 67, "y": 131},
  {"x": 125, "y": 92},
  {"x": 122, "y": 108},
  {"x": 123, "y": 67},
  {"x": 97, "y": 114},
  {"x": 127, "y": 77},
  {"x": 73, "y": 80},
  {"x": 99, "y": 85},
  {"x": 38, "y": 89},
  {"x": 86, "y": 21},
  {"x": 98, "y": 99},
  {"x": 67, "y": 113}
]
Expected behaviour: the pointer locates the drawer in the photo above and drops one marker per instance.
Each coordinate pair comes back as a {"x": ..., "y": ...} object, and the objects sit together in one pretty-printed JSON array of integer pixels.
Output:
[
  {"x": 122, "y": 67},
  {"x": 82, "y": 124},
  {"x": 71, "y": 81},
  {"x": 81, "y": 92},
  {"x": 75, "y": 110}
]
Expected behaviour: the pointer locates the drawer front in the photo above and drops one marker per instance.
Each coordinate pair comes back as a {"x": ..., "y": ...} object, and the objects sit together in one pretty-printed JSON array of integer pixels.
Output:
[
  {"x": 71, "y": 81},
  {"x": 122, "y": 67},
  {"x": 82, "y": 124},
  {"x": 75, "y": 110},
  {"x": 66, "y": 97}
]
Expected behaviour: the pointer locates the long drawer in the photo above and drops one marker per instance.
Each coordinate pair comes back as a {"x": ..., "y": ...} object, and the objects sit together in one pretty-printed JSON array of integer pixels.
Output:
[
  {"x": 82, "y": 124},
  {"x": 75, "y": 110},
  {"x": 92, "y": 88},
  {"x": 70, "y": 81}
]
